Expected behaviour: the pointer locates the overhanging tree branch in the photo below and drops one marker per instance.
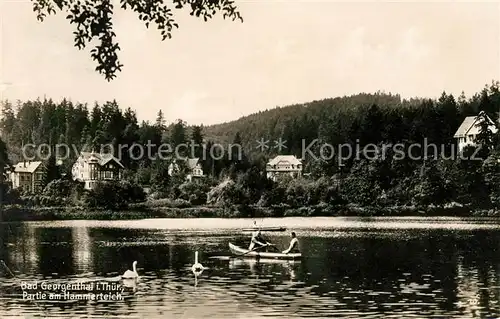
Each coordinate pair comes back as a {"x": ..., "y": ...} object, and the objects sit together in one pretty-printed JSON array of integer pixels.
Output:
[{"x": 93, "y": 21}]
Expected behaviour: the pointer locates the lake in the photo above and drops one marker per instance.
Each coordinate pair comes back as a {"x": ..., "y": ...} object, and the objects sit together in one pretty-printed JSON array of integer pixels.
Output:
[{"x": 351, "y": 267}]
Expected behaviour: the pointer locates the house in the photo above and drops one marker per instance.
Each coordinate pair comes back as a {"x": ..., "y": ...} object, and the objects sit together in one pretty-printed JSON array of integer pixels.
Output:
[
  {"x": 27, "y": 176},
  {"x": 91, "y": 167},
  {"x": 283, "y": 165},
  {"x": 193, "y": 167},
  {"x": 469, "y": 129}
]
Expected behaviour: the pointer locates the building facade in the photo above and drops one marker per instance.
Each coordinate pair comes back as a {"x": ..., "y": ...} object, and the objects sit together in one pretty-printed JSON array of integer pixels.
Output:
[
  {"x": 194, "y": 170},
  {"x": 470, "y": 128},
  {"x": 91, "y": 168},
  {"x": 284, "y": 165},
  {"x": 27, "y": 176}
]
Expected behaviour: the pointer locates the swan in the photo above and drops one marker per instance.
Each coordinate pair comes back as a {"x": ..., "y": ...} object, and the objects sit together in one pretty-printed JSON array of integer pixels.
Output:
[
  {"x": 197, "y": 267},
  {"x": 131, "y": 274}
]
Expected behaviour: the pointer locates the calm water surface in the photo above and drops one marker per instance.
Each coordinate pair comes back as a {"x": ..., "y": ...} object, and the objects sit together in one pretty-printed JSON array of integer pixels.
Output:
[{"x": 352, "y": 267}]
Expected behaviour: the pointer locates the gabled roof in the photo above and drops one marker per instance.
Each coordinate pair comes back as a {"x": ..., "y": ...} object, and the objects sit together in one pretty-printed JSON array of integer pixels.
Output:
[
  {"x": 102, "y": 159},
  {"x": 27, "y": 166},
  {"x": 192, "y": 162},
  {"x": 465, "y": 126},
  {"x": 469, "y": 123},
  {"x": 285, "y": 158}
]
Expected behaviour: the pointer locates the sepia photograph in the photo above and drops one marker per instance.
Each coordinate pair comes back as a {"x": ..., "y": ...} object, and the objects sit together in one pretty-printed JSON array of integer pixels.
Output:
[{"x": 249, "y": 159}]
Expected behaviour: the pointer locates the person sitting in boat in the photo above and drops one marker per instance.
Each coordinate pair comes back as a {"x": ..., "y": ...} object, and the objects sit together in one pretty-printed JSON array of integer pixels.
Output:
[
  {"x": 257, "y": 241},
  {"x": 294, "y": 245}
]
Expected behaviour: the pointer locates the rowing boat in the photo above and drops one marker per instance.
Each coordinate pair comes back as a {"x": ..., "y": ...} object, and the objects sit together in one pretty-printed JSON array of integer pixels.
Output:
[
  {"x": 239, "y": 262},
  {"x": 238, "y": 251},
  {"x": 265, "y": 229}
]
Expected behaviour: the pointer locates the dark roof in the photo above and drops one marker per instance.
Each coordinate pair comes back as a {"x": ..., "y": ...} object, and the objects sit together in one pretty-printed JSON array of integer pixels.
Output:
[{"x": 102, "y": 159}]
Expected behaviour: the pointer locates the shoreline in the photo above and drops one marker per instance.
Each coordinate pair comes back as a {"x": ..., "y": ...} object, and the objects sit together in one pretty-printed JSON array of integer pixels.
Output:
[{"x": 150, "y": 210}]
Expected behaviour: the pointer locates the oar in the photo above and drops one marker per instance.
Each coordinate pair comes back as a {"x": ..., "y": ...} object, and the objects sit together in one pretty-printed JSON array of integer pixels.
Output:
[
  {"x": 275, "y": 248},
  {"x": 255, "y": 249}
]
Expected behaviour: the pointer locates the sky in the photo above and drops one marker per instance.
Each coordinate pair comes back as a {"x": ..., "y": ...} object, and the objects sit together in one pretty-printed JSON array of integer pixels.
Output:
[{"x": 284, "y": 52}]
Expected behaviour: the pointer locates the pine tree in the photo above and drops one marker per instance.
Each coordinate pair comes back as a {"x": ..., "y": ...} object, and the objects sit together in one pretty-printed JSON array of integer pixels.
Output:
[
  {"x": 372, "y": 126},
  {"x": 486, "y": 104},
  {"x": 178, "y": 135},
  {"x": 160, "y": 179},
  {"x": 237, "y": 155},
  {"x": 485, "y": 137},
  {"x": 51, "y": 170},
  {"x": 197, "y": 142},
  {"x": 8, "y": 119},
  {"x": 96, "y": 119},
  {"x": 160, "y": 121},
  {"x": 4, "y": 164}
]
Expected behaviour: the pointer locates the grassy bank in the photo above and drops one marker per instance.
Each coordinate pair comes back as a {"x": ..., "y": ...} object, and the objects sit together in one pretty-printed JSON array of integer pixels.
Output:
[{"x": 174, "y": 209}]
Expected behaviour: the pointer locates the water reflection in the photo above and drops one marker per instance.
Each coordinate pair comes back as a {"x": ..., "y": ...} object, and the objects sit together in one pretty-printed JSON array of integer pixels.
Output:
[
  {"x": 196, "y": 274},
  {"x": 354, "y": 273},
  {"x": 82, "y": 252},
  {"x": 285, "y": 268}
]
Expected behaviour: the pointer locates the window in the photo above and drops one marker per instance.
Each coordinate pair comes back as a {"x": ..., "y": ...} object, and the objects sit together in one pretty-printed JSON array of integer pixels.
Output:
[{"x": 108, "y": 174}]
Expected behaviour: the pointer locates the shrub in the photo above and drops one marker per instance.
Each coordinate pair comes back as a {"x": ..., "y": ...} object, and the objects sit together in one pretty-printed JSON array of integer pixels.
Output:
[
  {"x": 42, "y": 200},
  {"x": 156, "y": 195},
  {"x": 132, "y": 193},
  {"x": 58, "y": 187},
  {"x": 227, "y": 194},
  {"x": 296, "y": 194},
  {"x": 194, "y": 192},
  {"x": 273, "y": 196},
  {"x": 10, "y": 196},
  {"x": 106, "y": 195}
]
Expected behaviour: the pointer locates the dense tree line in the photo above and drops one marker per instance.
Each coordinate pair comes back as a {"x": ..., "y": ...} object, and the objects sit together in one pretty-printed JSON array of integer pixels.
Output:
[
  {"x": 85, "y": 128},
  {"x": 371, "y": 118},
  {"x": 379, "y": 119}
]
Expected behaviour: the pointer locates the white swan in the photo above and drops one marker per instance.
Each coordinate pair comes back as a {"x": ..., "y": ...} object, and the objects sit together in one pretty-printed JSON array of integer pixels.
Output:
[
  {"x": 131, "y": 274},
  {"x": 197, "y": 267}
]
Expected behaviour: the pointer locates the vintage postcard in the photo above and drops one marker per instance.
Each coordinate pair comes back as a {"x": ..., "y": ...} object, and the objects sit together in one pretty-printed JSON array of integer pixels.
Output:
[{"x": 249, "y": 159}]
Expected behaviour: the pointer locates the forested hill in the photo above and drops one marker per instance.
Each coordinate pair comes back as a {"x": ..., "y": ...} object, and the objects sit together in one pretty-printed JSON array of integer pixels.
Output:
[
  {"x": 273, "y": 123},
  {"x": 368, "y": 117}
]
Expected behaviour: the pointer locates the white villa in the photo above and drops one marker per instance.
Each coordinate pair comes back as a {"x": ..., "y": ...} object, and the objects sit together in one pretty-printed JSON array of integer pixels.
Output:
[
  {"x": 284, "y": 165},
  {"x": 27, "y": 175},
  {"x": 469, "y": 129},
  {"x": 194, "y": 168},
  {"x": 91, "y": 167}
]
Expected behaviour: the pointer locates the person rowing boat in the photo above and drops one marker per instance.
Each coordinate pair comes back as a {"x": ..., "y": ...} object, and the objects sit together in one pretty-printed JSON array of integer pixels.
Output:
[{"x": 257, "y": 241}]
